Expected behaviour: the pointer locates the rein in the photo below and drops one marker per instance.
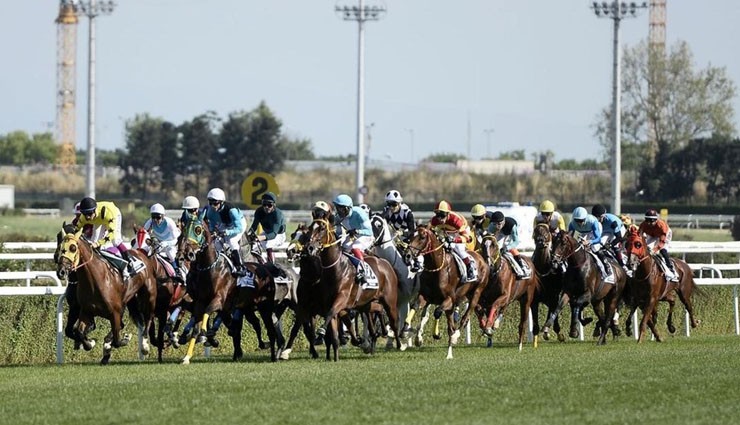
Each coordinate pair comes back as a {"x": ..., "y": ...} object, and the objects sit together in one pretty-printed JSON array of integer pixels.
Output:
[{"x": 424, "y": 251}]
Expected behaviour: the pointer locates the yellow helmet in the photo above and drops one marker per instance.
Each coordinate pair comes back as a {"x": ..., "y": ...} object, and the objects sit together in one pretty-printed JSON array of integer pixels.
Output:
[
  {"x": 443, "y": 206},
  {"x": 478, "y": 210},
  {"x": 547, "y": 206}
]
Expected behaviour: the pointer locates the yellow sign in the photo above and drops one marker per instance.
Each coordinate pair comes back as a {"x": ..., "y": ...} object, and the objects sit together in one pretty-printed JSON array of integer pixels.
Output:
[{"x": 256, "y": 185}]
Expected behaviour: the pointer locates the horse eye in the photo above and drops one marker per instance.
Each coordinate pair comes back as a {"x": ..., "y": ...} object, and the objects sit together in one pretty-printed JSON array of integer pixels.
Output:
[
  {"x": 638, "y": 245},
  {"x": 73, "y": 249}
]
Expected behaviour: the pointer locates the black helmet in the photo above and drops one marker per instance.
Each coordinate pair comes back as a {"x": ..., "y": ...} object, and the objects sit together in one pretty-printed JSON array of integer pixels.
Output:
[
  {"x": 497, "y": 217},
  {"x": 651, "y": 214},
  {"x": 598, "y": 210},
  {"x": 269, "y": 197},
  {"x": 88, "y": 205}
]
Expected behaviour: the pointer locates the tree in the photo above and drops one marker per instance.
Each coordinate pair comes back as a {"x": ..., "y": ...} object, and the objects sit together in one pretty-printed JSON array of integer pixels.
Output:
[
  {"x": 296, "y": 149},
  {"x": 18, "y": 148},
  {"x": 144, "y": 148},
  {"x": 197, "y": 142},
  {"x": 515, "y": 155}
]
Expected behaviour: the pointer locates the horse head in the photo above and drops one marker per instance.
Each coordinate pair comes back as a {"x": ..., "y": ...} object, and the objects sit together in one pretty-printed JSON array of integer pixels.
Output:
[
  {"x": 190, "y": 241},
  {"x": 542, "y": 236},
  {"x": 636, "y": 249},
  {"x": 424, "y": 241},
  {"x": 320, "y": 236},
  {"x": 297, "y": 240},
  {"x": 491, "y": 251},
  {"x": 563, "y": 248},
  {"x": 71, "y": 249}
]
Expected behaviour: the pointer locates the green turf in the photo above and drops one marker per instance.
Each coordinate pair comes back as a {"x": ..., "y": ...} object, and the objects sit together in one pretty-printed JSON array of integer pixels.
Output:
[{"x": 682, "y": 381}]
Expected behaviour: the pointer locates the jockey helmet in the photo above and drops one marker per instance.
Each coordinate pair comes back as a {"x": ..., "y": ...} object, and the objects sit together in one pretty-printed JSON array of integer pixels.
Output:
[
  {"x": 651, "y": 214},
  {"x": 478, "y": 211},
  {"x": 269, "y": 197},
  {"x": 321, "y": 205},
  {"x": 190, "y": 202},
  {"x": 547, "y": 206},
  {"x": 443, "y": 206},
  {"x": 88, "y": 205},
  {"x": 598, "y": 210},
  {"x": 216, "y": 194},
  {"x": 393, "y": 196},
  {"x": 497, "y": 217},
  {"x": 156, "y": 209},
  {"x": 580, "y": 213},
  {"x": 343, "y": 201},
  {"x": 366, "y": 208},
  {"x": 76, "y": 209},
  {"x": 626, "y": 219}
]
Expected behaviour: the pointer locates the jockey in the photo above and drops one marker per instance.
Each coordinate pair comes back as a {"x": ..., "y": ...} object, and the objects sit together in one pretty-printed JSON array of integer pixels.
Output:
[
  {"x": 190, "y": 206},
  {"x": 165, "y": 230},
  {"x": 507, "y": 235},
  {"x": 106, "y": 214},
  {"x": 612, "y": 231},
  {"x": 627, "y": 221},
  {"x": 224, "y": 217},
  {"x": 549, "y": 216},
  {"x": 587, "y": 229},
  {"x": 658, "y": 236},
  {"x": 481, "y": 219},
  {"x": 88, "y": 231},
  {"x": 357, "y": 224},
  {"x": 455, "y": 227},
  {"x": 321, "y": 211},
  {"x": 399, "y": 215},
  {"x": 272, "y": 220}
]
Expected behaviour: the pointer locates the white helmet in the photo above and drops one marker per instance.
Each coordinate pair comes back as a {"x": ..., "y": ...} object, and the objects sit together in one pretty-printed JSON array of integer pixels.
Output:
[
  {"x": 393, "y": 196},
  {"x": 190, "y": 202},
  {"x": 216, "y": 194},
  {"x": 157, "y": 209}
]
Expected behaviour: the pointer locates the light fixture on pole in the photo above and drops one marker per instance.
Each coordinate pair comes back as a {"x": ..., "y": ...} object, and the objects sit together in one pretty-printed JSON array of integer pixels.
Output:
[
  {"x": 488, "y": 132},
  {"x": 616, "y": 11},
  {"x": 92, "y": 9},
  {"x": 361, "y": 14}
]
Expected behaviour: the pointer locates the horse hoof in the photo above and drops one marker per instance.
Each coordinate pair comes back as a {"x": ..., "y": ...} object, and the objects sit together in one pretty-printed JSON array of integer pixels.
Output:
[
  {"x": 285, "y": 355},
  {"x": 671, "y": 329},
  {"x": 403, "y": 346},
  {"x": 88, "y": 345},
  {"x": 186, "y": 360},
  {"x": 546, "y": 336},
  {"x": 489, "y": 343},
  {"x": 573, "y": 333},
  {"x": 455, "y": 337},
  {"x": 561, "y": 338},
  {"x": 126, "y": 339},
  {"x": 488, "y": 332}
]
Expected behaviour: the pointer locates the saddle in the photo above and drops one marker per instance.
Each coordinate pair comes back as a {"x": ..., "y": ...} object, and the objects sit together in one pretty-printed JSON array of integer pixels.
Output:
[
  {"x": 521, "y": 271},
  {"x": 607, "y": 273},
  {"x": 461, "y": 267},
  {"x": 669, "y": 275},
  {"x": 120, "y": 264}
]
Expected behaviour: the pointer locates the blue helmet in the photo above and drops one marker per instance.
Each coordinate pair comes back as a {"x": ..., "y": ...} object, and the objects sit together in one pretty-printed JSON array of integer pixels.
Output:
[
  {"x": 343, "y": 201},
  {"x": 580, "y": 213}
]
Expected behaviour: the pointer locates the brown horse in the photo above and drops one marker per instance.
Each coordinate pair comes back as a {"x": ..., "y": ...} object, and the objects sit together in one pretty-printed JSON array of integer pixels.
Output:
[
  {"x": 338, "y": 277},
  {"x": 441, "y": 282},
  {"x": 551, "y": 281},
  {"x": 583, "y": 283},
  {"x": 102, "y": 292},
  {"x": 649, "y": 285},
  {"x": 503, "y": 288},
  {"x": 170, "y": 293}
]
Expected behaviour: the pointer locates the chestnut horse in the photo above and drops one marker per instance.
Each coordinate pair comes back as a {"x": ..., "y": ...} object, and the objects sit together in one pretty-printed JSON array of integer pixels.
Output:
[
  {"x": 649, "y": 285},
  {"x": 583, "y": 283},
  {"x": 102, "y": 292},
  {"x": 440, "y": 280},
  {"x": 338, "y": 277},
  {"x": 551, "y": 281},
  {"x": 503, "y": 288}
]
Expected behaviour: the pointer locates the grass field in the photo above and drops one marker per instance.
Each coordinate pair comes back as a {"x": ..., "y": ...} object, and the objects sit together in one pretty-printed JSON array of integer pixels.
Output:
[{"x": 681, "y": 381}]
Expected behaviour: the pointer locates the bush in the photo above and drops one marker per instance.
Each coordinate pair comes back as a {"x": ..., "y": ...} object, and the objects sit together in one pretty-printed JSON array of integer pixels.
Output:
[{"x": 735, "y": 229}]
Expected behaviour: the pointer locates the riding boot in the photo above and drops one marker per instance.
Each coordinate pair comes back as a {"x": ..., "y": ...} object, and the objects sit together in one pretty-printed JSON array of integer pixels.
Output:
[
  {"x": 525, "y": 272},
  {"x": 669, "y": 263},
  {"x": 237, "y": 260},
  {"x": 270, "y": 255},
  {"x": 472, "y": 269},
  {"x": 128, "y": 268},
  {"x": 361, "y": 276},
  {"x": 605, "y": 271}
]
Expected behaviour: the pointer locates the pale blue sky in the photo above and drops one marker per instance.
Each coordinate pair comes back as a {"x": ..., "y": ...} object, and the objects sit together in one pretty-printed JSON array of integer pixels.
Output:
[{"x": 535, "y": 71}]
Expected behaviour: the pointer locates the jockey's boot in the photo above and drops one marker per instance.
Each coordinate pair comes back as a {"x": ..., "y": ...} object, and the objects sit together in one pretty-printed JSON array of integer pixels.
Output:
[
  {"x": 605, "y": 270},
  {"x": 127, "y": 270},
  {"x": 524, "y": 272},
  {"x": 237, "y": 260},
  {"x": 669, "y": 263},
  {"x": 270, "y": 255},
  {"x": 472, "y": 269}
]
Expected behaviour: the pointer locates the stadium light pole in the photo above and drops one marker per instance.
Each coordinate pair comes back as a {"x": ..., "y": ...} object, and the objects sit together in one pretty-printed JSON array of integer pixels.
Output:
[
  {"x": 92, "y": 9},
  {"x": 361, "y": 14},
  {"x": 616, "y": 11}
]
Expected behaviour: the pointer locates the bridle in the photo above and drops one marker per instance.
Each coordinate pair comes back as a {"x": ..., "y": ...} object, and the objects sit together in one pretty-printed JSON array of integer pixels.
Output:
[{"x": 427, "y": 248}]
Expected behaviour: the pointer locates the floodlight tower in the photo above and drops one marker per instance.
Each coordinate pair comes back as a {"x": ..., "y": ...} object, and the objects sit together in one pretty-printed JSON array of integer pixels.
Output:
[
  {"x": 66, "y": 84},
  {"x": 361, "y": 14},
  {"x": 656, "y": 56},
  {"x": 92, "y": 9},
  {"x": 616, "y": 11}
]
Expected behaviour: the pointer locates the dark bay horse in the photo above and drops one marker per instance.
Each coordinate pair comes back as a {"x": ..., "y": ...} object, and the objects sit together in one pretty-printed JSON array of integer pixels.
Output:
[
  {"x": 338, "y": 276},
  {"x": 440, "y": 280},
  {"x": 583, "y": 284},
  {"x": 649, "y": 285},
  {"x": 102, "y": 292},
  {"x": 504, "y": 288},
  {"x": 551, "y": 281}
]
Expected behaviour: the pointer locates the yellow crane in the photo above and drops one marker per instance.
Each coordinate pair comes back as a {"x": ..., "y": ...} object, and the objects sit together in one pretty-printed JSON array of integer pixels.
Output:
[{"x": 66, "y": 84}]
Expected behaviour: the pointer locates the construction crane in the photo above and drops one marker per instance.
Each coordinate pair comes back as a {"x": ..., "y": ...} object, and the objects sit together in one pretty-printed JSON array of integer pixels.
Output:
[
  {"x": 66, "y": 84},
  {"x": 656, "y": 52}
]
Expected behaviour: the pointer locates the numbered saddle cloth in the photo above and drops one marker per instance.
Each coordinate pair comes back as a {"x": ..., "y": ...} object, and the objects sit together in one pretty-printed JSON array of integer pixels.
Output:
[
  {"x": 370, "y": 277},
  {"x": 246, "y": 281}
]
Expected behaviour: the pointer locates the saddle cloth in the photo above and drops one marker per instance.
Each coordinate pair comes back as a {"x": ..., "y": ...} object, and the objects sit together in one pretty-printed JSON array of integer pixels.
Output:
[
  {"x": 370, "y": 277},
  {"x": 610, "y": 278},
  {"x": 120, "y": 264}
]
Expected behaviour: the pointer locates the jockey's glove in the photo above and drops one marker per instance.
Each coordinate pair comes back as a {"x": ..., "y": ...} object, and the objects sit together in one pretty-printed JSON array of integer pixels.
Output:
[{"x": 94, "y": 245}]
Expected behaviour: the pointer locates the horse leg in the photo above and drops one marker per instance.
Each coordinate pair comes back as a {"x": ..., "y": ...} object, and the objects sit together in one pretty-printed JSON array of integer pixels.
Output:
[
  {"x": 253, "y": 320},
  {"x": 452, "y": 333},
  {"x": 685, "y": 298},
  {"x": 191, "y": 345},
  {"x": 333, "y": 338},
  {"x": 235, "y": 330},
  {"x": 671, "y": 300},
  {"x": 554, "y": 313},
  {"x": 266, "y": 313},
  {"x": 419, "y": 340}
]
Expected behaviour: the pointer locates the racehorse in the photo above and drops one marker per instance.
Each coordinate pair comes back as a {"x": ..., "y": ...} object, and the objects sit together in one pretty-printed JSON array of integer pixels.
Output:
[
  {"x": 551, "y": 280},
  {"x": 170, "y": 294},
  {"x": 338, "y": 274},
  {"x": 649, "y": 285},
  {"x": 102, "y": 292},
  {"x": 583, "y": 283},
  {"x": 384, "y": 246},
  {"x": 441, "y": 281},
  {"x": 503, "y": 288}
]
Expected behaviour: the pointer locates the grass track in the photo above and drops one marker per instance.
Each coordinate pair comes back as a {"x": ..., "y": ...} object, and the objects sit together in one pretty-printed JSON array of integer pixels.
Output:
[{"x": 682, "y": 381}]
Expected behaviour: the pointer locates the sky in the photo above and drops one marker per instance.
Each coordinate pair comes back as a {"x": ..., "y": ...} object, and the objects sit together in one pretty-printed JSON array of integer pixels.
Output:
[{"x": 475, "y": 77}]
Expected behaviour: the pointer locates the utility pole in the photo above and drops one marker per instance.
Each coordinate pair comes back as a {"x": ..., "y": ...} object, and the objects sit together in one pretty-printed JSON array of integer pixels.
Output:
[
  {"x": 360, "y": 14},
  {"x": 616, "y": 11},
  {"x": 92, "y": 9}
]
